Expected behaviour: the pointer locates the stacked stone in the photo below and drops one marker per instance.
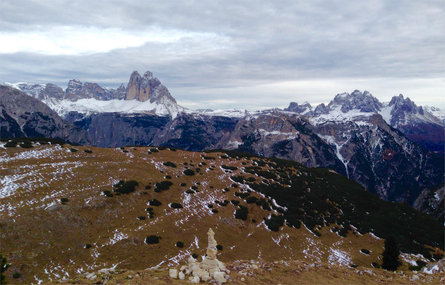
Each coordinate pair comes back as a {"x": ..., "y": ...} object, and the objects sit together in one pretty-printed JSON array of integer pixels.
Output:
[{"x": 209, "y": 268}]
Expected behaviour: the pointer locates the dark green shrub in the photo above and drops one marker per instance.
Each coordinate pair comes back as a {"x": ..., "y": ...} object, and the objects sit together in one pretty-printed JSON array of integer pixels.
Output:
[
  {"x": 26, "y": 144},
  {"x": 152, "y": 239},
  {"x": 107, "y": 193},
  {"x": 141, "y": 218},
  {"x": 418, "y": 267},
  {"x": 241, "y": 195},
  {"x": 154, "y": 150},
  {"x": 170, "y": 164},
  {"x": 194, "y": 188},
  {"x": 251, "y": 200},
  {"x": 154, "y": 202},
  {"x": 391, "y": 255},
  {"x": 241, "y": 212},
  {"x": 215, "y": 211},
  {"x": 183, "y": 184},
  {"x": 175, "y": 205},
  {"x": 274, "y": 222},
  {"x": 365, "y": 251},
  {"x": 3, "y": 267},
  {"x": 64, "y": 200},
  {"x": 148, "y": 187},
  {"x": 11, "y": 144},
  {"x": 168, "y": 177},
  {"x": 375, "y": 265},
  {"x": 88, "y": 151},
  {"x": 195, "y": 256},
  {"x": 234, "y": 185},
  {"x": 229, "y": 167},
  {"x": 149, "y": 209},
  {"x": 179, "y": 244},
  {"x": 87, "y": 246},
  {"x": 125, "y": 187},
  {"x": 162, "y": 186},
  {"x": 189, "y": 191},
  {"x": 209, "y": 157},
  {"x": 16, "y": 275},
  {"x": 219, "y": 247},
  {"x": 73, "y": 150},
  {"x": 238, "y": 178},
  {"x": 234, "y": 202},
  {"x": 189, "y": 172},
  {"x": 353, "y": 265}
]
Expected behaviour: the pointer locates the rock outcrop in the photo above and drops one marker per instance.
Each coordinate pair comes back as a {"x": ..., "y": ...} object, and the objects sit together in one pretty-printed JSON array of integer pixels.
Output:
[{"x": 209, "y": 269}]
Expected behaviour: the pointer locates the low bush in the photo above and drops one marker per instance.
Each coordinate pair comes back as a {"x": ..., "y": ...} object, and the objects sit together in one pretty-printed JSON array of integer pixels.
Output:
[
  {"x": 274, "y": 222},
  {"x": 154, "y": 202},
  {"x": 88, "y": 151},
  {"x": 170, "y": 164},
  {"x": 241, "y": 213},
  {"x": 195, "y": 256},
  {"x": 162, "y": 186},
  {"x": 16, "y": 275},
  {"x": 219, "y": 247},
  {"x": 26, "y": 144},
  {"x": 418, "y": 267},
  {"x": 141, "y": 218},
  {"x": 228, "y": 167},
  {"x": 215, "y": 211},
  {"x": 87, "y": 246},
  {"x": 64, "y": 200},
  {"x": 73, "y": 150},
  {"x": 11, "y": 144},
  {"x": 365, "y": 251},
  {"x": 125, "y": 187},
  {"x": 189, "y": 172},
  {"x": 175, "y": 205},
  {"x": 107, "y": 193},
  {"x": 152, "y": 239},
  {"x": 179, "y": 244}
]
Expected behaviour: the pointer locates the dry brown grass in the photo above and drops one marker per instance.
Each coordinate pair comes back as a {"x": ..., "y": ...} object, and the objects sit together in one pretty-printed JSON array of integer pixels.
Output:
[{"x": 45, "y": 240}]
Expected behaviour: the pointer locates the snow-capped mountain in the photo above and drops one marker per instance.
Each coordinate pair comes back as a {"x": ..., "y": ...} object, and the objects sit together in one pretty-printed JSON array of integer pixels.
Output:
[
  {"x": 355, "y": 134},
  {"x": 416, "y": 122},
  {"x": 143, "y": 94}
]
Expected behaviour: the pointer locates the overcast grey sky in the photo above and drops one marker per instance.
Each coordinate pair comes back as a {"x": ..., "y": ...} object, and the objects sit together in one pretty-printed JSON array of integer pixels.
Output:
[{"x": 223, "y": 54}]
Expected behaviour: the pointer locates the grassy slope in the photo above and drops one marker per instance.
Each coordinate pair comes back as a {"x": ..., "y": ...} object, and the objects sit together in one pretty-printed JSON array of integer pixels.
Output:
[{"x": 44, "y": 239}]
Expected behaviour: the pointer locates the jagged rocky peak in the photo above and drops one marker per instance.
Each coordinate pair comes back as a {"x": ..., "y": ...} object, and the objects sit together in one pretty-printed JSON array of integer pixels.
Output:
[
  {"x": 147, "y": 87},
  {"x": 51, "y": 90},
  {"x": 363, "y": 101},
  {"x": 405, "y": 105},
  {"x": 299, "y": 108}
]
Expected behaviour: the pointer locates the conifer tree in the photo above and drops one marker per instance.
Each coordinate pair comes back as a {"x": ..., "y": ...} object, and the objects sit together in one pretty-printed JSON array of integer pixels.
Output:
[{"x": 391, "y": 255}]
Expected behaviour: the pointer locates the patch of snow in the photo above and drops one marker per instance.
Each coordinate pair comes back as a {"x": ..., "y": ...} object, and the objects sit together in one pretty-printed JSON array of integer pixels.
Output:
[{"x": 337, "y": 256}]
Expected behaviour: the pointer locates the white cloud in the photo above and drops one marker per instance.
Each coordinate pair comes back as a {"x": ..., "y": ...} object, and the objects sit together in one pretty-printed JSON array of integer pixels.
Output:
[{"x": 80, "y": 40}]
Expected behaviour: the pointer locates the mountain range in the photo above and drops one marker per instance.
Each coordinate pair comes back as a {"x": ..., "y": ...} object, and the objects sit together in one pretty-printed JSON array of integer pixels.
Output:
[{"x": 393, "y": 149}]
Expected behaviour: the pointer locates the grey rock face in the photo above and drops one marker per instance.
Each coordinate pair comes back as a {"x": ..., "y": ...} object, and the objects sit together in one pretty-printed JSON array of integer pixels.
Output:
[
  {"x": 364, "y": 102},
  {"x": 300, "y": 109},
  {"x": 147, "y": 87},
  {"x": 23, "y": 115},
  {"x": 51, "y": 91},
  {"x": 431, "y": 202}
]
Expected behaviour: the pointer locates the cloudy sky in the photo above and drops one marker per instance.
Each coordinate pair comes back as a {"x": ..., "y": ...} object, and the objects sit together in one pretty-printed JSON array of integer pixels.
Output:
[{"x": 226, "y": 54}]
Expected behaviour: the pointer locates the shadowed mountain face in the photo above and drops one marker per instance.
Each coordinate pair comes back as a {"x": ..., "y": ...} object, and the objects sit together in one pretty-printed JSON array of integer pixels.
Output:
[
  {"x": 375, "y": 144},
  {"x": 24, "y": 116}
]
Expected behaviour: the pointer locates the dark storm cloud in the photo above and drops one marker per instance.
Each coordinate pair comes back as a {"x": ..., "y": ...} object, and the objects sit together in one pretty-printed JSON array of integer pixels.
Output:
[{"x": 233, "y": 44}]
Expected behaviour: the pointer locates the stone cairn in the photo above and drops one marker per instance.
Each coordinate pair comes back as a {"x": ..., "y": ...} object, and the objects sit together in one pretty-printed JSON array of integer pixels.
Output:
[{"x": 210, "y": 267}]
